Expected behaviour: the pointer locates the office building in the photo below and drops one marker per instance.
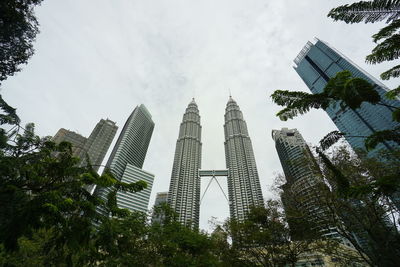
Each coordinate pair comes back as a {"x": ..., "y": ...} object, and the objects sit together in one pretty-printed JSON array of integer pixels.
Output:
[
  {"x": 127, "y": 158},
  {"x": 97, "y": 144},
  {"x": 77, "y": 141},
  {"x": 244, "y": 188},
  {"x": 184, "y": 189},
  {"x": 161, "y": 198},
  {"x": 303, "y": 180},
  {"x": 316, "y": 64}
]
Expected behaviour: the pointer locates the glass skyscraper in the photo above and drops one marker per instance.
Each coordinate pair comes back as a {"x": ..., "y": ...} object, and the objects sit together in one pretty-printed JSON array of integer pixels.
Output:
[
  {"x": 127, "y": 158},
  {"x": 316, "y": 64}
]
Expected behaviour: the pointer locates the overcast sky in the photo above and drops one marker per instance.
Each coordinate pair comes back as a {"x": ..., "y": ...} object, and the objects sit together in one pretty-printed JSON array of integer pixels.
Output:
[{"x": 100, "y": 58}]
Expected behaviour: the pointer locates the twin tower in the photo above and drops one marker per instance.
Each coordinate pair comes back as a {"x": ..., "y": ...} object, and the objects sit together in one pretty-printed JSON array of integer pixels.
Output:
[{"x": 244, "y": 188}]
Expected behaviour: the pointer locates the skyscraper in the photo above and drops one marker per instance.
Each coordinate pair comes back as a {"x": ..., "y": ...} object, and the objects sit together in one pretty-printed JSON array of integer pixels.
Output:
[
  {"x": 316, "y": 64},
  {"x": 95, "y": 147},
  {"x": 244, "y": 188},
  {"x": 127, "y": 158},
  {"x": 98, "y": 142},
  {"x": 78, "y": 141},
  {"x": 161, "y": 198},
  {"x": 184, "y": 189},
  {"x": 303, "y": 179}
]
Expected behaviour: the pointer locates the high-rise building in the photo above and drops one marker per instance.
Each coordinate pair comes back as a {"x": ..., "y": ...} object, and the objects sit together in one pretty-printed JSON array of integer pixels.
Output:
[
  {"x": 316, "y": 64},
  {"x": 184, "y": 189},
  {"x": 93, "y": 148},
  {"x": 127, "y": 158},
  {"x": 244, "y": 188},
  {"x": 98, "y": 142},
  {"x": 161, "y": 198},
  {"x": 303, "y": 178},
  {"x": 77, "y": 140}
]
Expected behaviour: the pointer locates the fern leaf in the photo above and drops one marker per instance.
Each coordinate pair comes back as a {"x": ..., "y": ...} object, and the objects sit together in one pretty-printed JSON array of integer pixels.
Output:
[
  {"x": 330, "y": 139},
  {"x": 385, "y": 51},
  {"x": 387, "y": 31},
  {"x": 392, "y": 73},
  {"x": 367, "y": 11}
]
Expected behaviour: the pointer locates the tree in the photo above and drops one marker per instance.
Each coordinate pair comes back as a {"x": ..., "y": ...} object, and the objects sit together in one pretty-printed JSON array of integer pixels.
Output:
[
  {"x": 362, "y": 210},
  {"x": 264, "y": 238},
  {"x": 42, "y": 190},
  {"x": 18, "y": 30},
  {"x": 387, "y": 39}
]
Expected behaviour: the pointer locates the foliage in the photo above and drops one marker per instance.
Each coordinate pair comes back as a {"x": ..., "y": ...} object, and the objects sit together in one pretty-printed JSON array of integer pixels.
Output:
[
  {"x": 343, "y": 90},
  {"x": 264, "y": 238},
  {"x": 330, "y": 139},
  {"x": 18, "y": 29},
  {"x": 387, "y": 38},
  {"x": 365, "y": 207},
  {"x": 367, "y": 11},
  {"x": 381, "y": 136}
]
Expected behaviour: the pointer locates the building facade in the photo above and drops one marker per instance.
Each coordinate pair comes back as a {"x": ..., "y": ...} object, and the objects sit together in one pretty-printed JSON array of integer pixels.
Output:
[
  {"x": 78, "y": 141},
  {"x": 316, "y": 64},
  {"x": 303, "y": 180},
  {"x": 244, "y": 188},
  {"x": 127, "y": 158},
  {"x": 184, "y": 189},
  {"x": 161, "y": 198},
  {"x": 97, "y": 144}
]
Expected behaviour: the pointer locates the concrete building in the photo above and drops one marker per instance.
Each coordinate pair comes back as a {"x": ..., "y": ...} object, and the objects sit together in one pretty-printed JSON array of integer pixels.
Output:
[
  {"x": 184, "y": 189},
  {"x": 127, "y": 158},
  {"x": 97, "y": 144},
  {"x": 161, "y": 198},
  {"x": 244, "y": 188},
  {"x": 303, "y": 178},
  {"x": 78, "y": 141},
  {"x": 93, "y": 148}
]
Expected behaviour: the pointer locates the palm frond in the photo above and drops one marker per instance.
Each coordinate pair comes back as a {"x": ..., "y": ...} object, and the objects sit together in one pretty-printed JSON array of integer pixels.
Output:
[
  {"x": 396, "y": 115},
  {"x": 357, "y": 90},
  {"x": 287, "y": 98},
  {"x": 342, "y": 182},
  {"x": 393, "y": 94},
  {"x": 11, "y": 116},
  {"x": 392, "y": 73},
  {"x": 387, "y": 31},
  {"x": 303, "y": 105},
  {"x": 352, "y": 91},
  {"x": 385, "y": 51},
  {"x": 381, "y": 136},
  {"x": 367, "y": 11},
  {"x": 330, "y": 139}
]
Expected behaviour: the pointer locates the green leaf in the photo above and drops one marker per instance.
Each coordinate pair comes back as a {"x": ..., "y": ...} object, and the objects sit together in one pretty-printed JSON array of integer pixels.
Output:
[
  {"x": 387, "y": 31},
  {"x": 367, "y": 11},
  {"x": 393, "y": 94},
  {"x": 386, "y": 51},
  {"x": 357, "y": 91},
  {"x": 330, "y": 139},
  {"x": 396, "y": 115},
  {"x": 381, "y": 136},
  {"x": 392, "y": 73}
]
